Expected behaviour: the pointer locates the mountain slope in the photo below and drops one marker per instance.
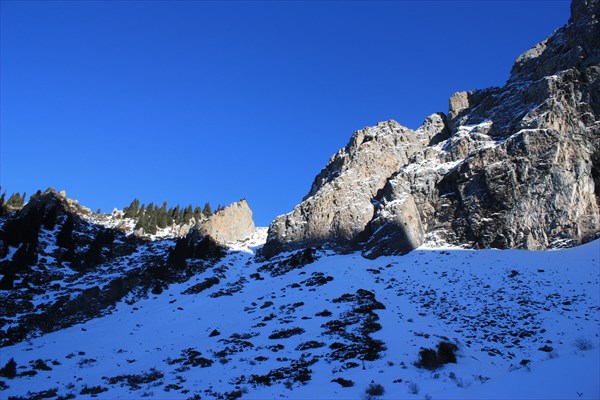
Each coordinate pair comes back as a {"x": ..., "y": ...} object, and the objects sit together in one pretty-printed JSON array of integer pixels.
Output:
[
  {"x": 61, "y": 264},
  {"x": 510, "y": 167},
  {"x": 288, "y": 327}
]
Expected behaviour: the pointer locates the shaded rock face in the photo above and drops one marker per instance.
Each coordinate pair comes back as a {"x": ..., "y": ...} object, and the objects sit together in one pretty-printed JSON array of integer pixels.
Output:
[
  {"x": 510, "y": 167},
  {"x": 232, "y": 223}
]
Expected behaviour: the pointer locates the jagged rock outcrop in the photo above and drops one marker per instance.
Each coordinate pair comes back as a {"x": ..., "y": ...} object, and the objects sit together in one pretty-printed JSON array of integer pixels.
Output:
[
  {"x": 510, "y": 167},
  {"x": 338, "y": 207},
  {"x": 232, "y": 223}
]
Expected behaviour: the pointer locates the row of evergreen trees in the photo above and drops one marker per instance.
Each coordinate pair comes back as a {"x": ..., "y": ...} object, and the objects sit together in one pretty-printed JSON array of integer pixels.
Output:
[
  {"x": 151, "y": 217},
  {"x": 15, "y": 201}
]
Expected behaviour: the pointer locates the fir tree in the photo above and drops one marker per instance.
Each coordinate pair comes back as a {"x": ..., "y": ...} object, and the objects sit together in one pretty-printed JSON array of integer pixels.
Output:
[
  {"x": 161, "y": 216},
  {"x": 207, "y": 210},
  {"x": 151, "y": 223},
  {"x": 10, "y": 369},
  {"x": 15, "y": 200},
  {"x": 198, "y": 213},
  {"x": 132, "y": 210},
  {"x": 141, "y": 217},
  {"x": 3, "y": 207},
  {"x": 33, "y": 196}
]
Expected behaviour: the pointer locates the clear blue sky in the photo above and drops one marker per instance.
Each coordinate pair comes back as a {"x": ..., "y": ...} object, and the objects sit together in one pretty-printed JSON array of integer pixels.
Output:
[{"x": 214, "y": 101}]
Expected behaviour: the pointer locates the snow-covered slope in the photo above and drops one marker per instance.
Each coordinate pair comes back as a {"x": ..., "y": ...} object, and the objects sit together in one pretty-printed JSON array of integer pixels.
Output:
[{"x": 526, "y": 325}]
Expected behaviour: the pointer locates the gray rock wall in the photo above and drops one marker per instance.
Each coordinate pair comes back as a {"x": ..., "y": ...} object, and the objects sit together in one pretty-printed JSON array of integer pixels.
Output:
[
  {"x": 510, "y": 167},
  {"x": 232, "y": 223}
]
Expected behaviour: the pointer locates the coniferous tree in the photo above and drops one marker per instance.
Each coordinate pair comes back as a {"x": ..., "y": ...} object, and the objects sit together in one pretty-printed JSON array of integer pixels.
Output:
[
  {"x": 132, "y": 210},
  {"x": 141, "y": 216},
  {"x": 15, "y": 200},
  {"x": 188, "y": 213},
  {"x": 10, "y": 369},
  {"x": 151, "y": 223},
  {"x": 33, "y": 196},
  {"x": 198, "y": 213},
  {"x": 207, "y": 210},
  {"x": 161, "y": 216},
  {"x": 3, "y": 207}
]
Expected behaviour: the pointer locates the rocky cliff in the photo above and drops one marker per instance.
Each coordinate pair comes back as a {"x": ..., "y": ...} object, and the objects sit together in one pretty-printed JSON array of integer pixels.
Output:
[
  {"x": 510, "y": 167},
  {"x": 232, "y": 223}
]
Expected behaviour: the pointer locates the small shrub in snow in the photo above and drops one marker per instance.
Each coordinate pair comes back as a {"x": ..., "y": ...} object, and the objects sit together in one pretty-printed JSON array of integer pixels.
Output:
[
  {"x": 286, "y": 333},
  {"x": 413, "y": 388},
  {"x": 93, "y": 390},
  {"x": 446, "y": 352},
  {"x": 44, "y": 394},
  {"x": 135, "y": 380},
  {"x": 10, "y": 369},
  {"x": 235, "y": 394},
  {"x": 583, "y": 344},
  {"x": 191, "y": 357},
  {"x": 374, "y": 389},
  {"x": 39, "y": 364},
  {"x": 266, "y": 304},
  {"x": 311, "y": 344},
  {"x": 87, "y": 362},
  {"x": 430, "y": 359},
  {"x": 343, "y": 382},
  {"x": 200, "y": 287}
]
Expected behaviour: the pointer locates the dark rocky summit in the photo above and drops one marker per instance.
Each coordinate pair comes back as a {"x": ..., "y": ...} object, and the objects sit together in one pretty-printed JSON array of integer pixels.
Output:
[
  {"x": 61, "y": 264},
  {"x": 510, "y": 167}
]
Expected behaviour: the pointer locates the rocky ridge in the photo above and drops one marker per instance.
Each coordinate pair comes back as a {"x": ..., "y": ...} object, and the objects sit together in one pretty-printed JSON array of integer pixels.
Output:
[
  {"x": 232, "y": 223},
  {"x": 56, "y": 256},
  {"x": 510, "y": 167}
]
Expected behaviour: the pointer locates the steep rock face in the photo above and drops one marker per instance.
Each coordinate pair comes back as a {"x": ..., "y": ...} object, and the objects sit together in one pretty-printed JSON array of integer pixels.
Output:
[
  {"x": 510, "y": 167},
  {"x": 338, "y": 207},
  {"x": 232, "y": 223}
]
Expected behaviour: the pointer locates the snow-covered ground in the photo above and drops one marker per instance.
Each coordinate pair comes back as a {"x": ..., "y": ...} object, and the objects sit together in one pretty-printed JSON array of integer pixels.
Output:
[{"x": 526, "y": 325}]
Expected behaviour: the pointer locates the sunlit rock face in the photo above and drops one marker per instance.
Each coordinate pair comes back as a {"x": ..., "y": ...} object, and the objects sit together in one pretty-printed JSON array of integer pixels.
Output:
[
  {"x": 510, "y": 167},
  {"x": 231, "y": 224}
]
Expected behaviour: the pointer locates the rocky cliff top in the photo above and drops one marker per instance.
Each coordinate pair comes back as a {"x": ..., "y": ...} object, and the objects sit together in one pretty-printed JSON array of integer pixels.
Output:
[
  {"x": 510, "y": 167},
  {"x": 231, "y": 224}
]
